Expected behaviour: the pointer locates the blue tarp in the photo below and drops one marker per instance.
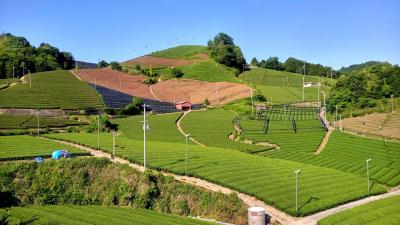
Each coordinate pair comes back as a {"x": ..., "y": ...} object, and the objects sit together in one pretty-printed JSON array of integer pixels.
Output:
[{"x": 59, "y": 153}]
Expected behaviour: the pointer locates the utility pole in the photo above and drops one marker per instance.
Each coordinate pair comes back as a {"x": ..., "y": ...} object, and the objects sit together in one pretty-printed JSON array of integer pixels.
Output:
[
  {"x": 145, "y": 129},
  {"x": 392, "y": 97},
  {"x": 38, "y": 124},
  {"x": 13, "y": 71},
  {"x": 186, "y": 152},
  {"x": 30, "y": 81},
  {"x": 113, "y": 149},
  {"x": 304, "y": 74},
  {"x": 98, "y": 132},
  {"x": 367, "y": 161},
  {"x": 319, "y": 104},
  {"x": 297, "y": 172},
  {"x": 335, "y": 115},
  {"x": 252, "y": 102}
]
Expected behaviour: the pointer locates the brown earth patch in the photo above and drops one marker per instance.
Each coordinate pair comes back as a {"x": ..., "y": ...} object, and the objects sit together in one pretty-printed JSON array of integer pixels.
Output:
[
  {"x": 379, "y": 124},
  {"x": 118, "y": 81},
  {"x": 156, "y": 61},
  {"x": 197, "y": 91}
]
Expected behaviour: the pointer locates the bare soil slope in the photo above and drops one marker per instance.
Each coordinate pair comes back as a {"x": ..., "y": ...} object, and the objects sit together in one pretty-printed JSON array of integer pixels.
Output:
[
  {"x": 197, "y": 91},
  {"x": 118, "y": 81},
  {"x": 380, "y": 124}
]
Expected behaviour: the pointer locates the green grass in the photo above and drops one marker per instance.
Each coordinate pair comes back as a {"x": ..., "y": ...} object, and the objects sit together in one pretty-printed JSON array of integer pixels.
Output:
[
  {"x": 284, "y": 87},
  {"x": 71, "y": 214},
  {"x": 23, "y": 146},
  {"x": 162, "y": 127},
  {"x": 270, "y": 180},
  {"x": 212, "y": 128},
  {"x": 385, "y": 211},
  {"x": 209, "y": 71},
  {"x": 279, "y": 112},
  {"x": 8, "y": 121},
  {"x": 348, "y": 153},
  {"x": 54, "y": 89},
  {"x": 182, "y": 52}
]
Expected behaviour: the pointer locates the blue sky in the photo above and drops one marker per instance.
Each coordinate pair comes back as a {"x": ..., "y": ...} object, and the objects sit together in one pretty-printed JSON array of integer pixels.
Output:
[{"x": 336, "y": 33}]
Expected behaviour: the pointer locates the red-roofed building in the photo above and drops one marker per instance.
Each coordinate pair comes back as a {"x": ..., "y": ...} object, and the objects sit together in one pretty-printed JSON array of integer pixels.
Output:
[{"x": 183, "y": 106}]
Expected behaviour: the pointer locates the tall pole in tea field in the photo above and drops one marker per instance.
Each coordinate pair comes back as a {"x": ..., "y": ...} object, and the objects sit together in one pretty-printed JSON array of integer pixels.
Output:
[
  {"x": 186, "y": 152},
  {"x": 304, "y": 74},
  {"x": 98, "y": 132},
  {"x": 38, "y": 125},
  {"x": 367, "y": 161},
  {"x": 297, "y": 172},
  {"x": 113, "y": 149},
  {"x": 30, "y": 81},
  {"x": 145, "y": 129}
]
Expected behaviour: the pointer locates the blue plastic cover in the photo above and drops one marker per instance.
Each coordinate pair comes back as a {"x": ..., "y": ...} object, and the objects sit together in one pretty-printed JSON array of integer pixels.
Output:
[{"x": 57, "y": 154}]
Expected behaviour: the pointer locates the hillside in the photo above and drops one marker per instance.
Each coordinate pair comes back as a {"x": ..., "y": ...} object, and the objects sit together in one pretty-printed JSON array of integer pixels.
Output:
[
  {"x": 285, "y": 87},
  {"x": 53, "y": 89},
  {"x": 182, "y": 52}
]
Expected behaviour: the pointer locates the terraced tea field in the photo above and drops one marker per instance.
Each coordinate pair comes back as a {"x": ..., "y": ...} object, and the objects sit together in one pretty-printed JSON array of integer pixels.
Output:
[
  {"x": 270, "y": 180},
  {"x": 182, "y": 52},
  {"x": 213, "y": 127},
  {"x": 348, "y": 153},
  {"x": 71, "y": 214},
  {"x": 285, "y": 112},
  {"x": 385, "y": 211},
  {"x": 28, "y": 147},
  {"x": 209, "y": 71},
  {"x": 162, "y": 127},
  {"x": 8, "y": 121},
  {"x": 54, "y": 89}
]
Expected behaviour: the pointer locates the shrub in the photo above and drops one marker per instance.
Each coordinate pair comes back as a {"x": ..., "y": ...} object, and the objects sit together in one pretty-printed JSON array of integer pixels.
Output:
[
  {"x": 150, "y": 80},
  {"x": 177, "y": 73},
  {"x": 206, "y": 102},
  {"x": 133, "y": 108},
  {"x": 115, "y": 65}
]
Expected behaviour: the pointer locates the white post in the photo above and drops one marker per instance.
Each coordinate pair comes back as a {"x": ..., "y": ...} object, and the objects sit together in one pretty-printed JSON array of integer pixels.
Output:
[
  {"x": 252, "y": 102},
  {"x": 340, "y": 123},
  {"x": 368, "y": 174},
  {"x": 144, "y": 136},
  {"x": 392, "y": 96},
  {"x": 98, "y": 132},
  {"x": 30, "y": 81},
  {"x": 38, "y": 125},
  {"x": 113, "y": 151},
  {"x": 297, "y": 172},
  {"x": 304, "y": 74},
  {"x": 319, "y": 105},
  {"x": 335, "y": 115},
  {"x": 13, "y": 71},
  {"x": 186, "y": 153}
]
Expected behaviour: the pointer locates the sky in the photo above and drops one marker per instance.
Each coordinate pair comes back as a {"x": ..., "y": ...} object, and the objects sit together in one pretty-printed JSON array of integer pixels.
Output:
[{"x": 333, "y": 33}]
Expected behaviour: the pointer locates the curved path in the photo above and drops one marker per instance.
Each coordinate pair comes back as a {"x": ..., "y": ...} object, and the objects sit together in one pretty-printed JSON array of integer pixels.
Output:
[
  {"x": 178, "y": 125},
  {"x": 154, "y": 94}
]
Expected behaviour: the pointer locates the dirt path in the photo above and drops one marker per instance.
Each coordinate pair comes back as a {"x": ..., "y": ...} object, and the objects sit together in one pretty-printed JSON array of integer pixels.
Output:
[
  {"x": 324, "y": 142},
  {"x": 154, "y": 94},
  {"x": 313, "y": 219},
  {"x": 276, "y": 215},
  {"x": 178, "y": 125},
  {"x": 73, "y": 73}
]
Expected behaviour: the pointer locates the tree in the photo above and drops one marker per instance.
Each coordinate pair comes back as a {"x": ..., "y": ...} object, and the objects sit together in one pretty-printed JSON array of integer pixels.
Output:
[
  {"x": 102, "y": 64},
  {"x": 115, "y": 65},
  {"x": 223, "y": 50},
  {"x": 254, "y": 62},
  {"x": 176, "y": 73}
]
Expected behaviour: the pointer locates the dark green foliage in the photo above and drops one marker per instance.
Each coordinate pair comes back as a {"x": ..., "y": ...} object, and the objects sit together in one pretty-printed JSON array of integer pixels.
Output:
[
  {"x": 224, "y": 51},
  {"x": 115, "y": 65},
  {"x": 97, "y": 181},
  {"x": 133, "y": 108},
  {"x": 150, "y": 80},
  {"x": 272, "y": 63},
  {"x": 206, "y": 101},
  {"x": 18, "y": 53},
  {"x": 176, "y": 73},
  {"x": 102, "y": 64},
  {"x": 254, "y": 61},
  {"x": 361, "y": 66},
  {"x": 104, "y": 122},
  {"x": 361, "y": 87}
]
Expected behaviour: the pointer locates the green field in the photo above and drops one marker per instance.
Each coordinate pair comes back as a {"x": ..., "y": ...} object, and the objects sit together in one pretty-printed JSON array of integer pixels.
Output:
[
  {"x": 270, "y": 180},
  {"x": 284, "y": 87},
  {"x": 182, "y": 52},
  {"x": 28, "y": 147},
  {"x": 209, "y": 71},
  {"x": 212, "y": 128},
  {"x": 162, "y": 127},
  {"x": 54, "y": 89},
  {"x": 348, "y": 153},
  {"x": 71, "y": 214},
  {"x": 9, "y": 121},
  {"x": 385, "y": 211}
]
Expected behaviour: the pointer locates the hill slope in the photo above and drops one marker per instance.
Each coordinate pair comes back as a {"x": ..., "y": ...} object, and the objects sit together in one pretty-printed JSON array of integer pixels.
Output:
[
  {"x": 182, "y": 52},
  {"x": 54, "y": 89}
]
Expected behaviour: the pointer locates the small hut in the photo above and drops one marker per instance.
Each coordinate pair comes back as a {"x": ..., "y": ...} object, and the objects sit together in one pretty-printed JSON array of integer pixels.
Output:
[{"x": 183, "y": 106}]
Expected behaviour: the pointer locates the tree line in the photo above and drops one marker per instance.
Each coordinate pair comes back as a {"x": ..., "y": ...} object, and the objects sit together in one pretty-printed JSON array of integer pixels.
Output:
[
  {"x": 365, "y": 83},
  {"x": 296, "y": 66},
  {"x": 17, "y": 56}
]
